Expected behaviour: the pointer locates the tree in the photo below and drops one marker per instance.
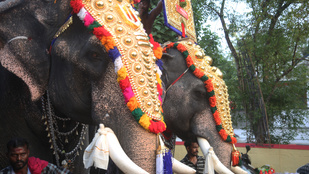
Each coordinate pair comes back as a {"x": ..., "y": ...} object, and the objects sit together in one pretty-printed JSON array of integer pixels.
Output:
[{"x": 268, "y": 46}]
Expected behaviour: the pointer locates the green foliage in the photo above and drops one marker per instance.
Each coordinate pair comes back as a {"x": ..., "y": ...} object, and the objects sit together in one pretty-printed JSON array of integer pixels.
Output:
[
  {"x": 160, "y": 32},
  {"x": 268, "y": 44}
]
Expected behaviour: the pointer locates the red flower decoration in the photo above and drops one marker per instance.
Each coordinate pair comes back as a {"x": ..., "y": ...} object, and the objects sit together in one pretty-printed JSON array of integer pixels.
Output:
[
  {"x": 234, "y": 140},
  {"x": 100, "y": 32},
  {"x": 181, "y": 48},
  {"x": 136, "y": 1},
  {"x": 223, "y": 134},
  {"x": 217, "y": 118},
  {"x": 124, "y": 83},
  {"x": 212, "y": 101},
  {"x": 198, "y": 73},
  {"x": 189, "y": 61},
  {"x": 156, "y": 127},
  {"x": 76, "y": 5},
  {"x": 208, "y": 85},
  {"x": 159, "y": 89},
  {"x": 170, "y": 45}
]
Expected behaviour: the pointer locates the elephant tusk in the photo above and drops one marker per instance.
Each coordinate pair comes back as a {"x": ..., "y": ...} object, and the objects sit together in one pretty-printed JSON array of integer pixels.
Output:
[
  {"x": 120, "y": 158},
  {"x": 181, "y": 168},
  {"x": 238, "y": 170},
  {"x": 104, "y": 144},
  {"x": 217, "y": 165}
]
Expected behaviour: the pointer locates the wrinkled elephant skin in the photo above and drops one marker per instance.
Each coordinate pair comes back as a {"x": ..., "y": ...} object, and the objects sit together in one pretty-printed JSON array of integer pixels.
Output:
[{"x": 26, "y": 31}]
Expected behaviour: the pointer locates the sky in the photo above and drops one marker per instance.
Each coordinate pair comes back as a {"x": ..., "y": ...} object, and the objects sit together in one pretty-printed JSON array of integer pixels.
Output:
[{"x": 215, "y": 26}]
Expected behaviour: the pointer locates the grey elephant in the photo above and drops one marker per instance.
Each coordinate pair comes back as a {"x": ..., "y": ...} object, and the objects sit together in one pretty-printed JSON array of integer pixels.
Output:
[
  {"x": 81, "y": 74},
  {"x": 194, "y": 119}
]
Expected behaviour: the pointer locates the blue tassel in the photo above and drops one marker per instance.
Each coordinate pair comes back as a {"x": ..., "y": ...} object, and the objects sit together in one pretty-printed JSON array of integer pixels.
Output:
[
  {"x": 160, "y": 64},
  {"x": 113, "y": 53},
  {"x": 167, "y": 162}
]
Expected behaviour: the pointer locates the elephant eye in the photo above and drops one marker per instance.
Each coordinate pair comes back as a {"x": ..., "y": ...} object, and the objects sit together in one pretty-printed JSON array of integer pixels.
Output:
[
  {"x": 95, "y": 56},
  {"x": 200, "y": 94}
]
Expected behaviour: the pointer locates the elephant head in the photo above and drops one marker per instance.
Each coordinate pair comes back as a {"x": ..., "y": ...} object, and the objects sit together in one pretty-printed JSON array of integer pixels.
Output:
[
  {"x": 83, "y": 75},
  {"x": 26, "y": 31},
  {"x": 194, "y": 119}
]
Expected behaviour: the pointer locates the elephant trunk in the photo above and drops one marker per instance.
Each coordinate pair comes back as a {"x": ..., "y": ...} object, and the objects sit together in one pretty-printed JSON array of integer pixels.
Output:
[
  {"x": 109, "y": 108},
  {"x": 203, "y": 125}
]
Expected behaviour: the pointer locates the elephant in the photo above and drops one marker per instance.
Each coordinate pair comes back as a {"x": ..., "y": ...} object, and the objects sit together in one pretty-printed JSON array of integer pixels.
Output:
[
  {"x": 81, "y": 74},
  {"x": 194, "y": 118},
  {"x": 66, "y": 76}
]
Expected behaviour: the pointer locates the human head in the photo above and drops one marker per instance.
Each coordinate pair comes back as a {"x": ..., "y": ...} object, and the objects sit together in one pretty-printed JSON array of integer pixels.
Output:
[
  {"x": 191, "y": 147},
  {"x": 18, "y": 153}
]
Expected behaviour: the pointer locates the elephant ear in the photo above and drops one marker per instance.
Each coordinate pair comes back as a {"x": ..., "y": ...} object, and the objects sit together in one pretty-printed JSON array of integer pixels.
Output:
[
  {"x": 29, "y": 61},
  {"x": 166, "y": 58},
  {"x": 8, "y": 4}
]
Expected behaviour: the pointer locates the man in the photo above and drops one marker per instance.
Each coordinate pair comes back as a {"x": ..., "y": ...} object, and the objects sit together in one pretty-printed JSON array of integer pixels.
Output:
[
  {"x": 20, "y": 162},
  {"x": 149, "y": 18},
  {"x": 192, "y": 159}
]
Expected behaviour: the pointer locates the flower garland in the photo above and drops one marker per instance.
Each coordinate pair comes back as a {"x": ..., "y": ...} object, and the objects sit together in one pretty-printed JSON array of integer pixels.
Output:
[
  {"x": 106, "y": 38},
  {"x": 209, "y": 87}
]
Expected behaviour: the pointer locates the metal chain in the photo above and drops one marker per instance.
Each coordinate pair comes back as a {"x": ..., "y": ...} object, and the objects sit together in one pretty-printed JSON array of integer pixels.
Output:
[{"x": 54, "y": 133}]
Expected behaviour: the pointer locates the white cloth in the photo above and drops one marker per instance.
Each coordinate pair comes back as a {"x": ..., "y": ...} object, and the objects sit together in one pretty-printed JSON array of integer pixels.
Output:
[
  {"x": 118, "y": 64},
  {"x": 159, "y": 158},
  {"x": 159, "y": 164},
  {"x": 209, "y": 162},
  {"x": 97, "y": 152},
  {"x": 82, "y": 13}
]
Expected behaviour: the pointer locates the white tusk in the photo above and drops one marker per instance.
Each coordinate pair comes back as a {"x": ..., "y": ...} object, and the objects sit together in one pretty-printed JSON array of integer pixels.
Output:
[
  {"x": 122, "y": 161},
  {"x": 207, "y": 150},
  {"x": 238, "y": 170},
  {"x": 181, "y": 168}
]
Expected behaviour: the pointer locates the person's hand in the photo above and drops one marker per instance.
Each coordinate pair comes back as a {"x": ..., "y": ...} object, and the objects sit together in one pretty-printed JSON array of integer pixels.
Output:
[{"x": 143, "y": 7}]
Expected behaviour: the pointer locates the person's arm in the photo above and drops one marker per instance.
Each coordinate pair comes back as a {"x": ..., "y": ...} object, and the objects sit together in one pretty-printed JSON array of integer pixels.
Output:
[
  {"x": 156, "y": 11},
  {"x": 148, "y": 19}
]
